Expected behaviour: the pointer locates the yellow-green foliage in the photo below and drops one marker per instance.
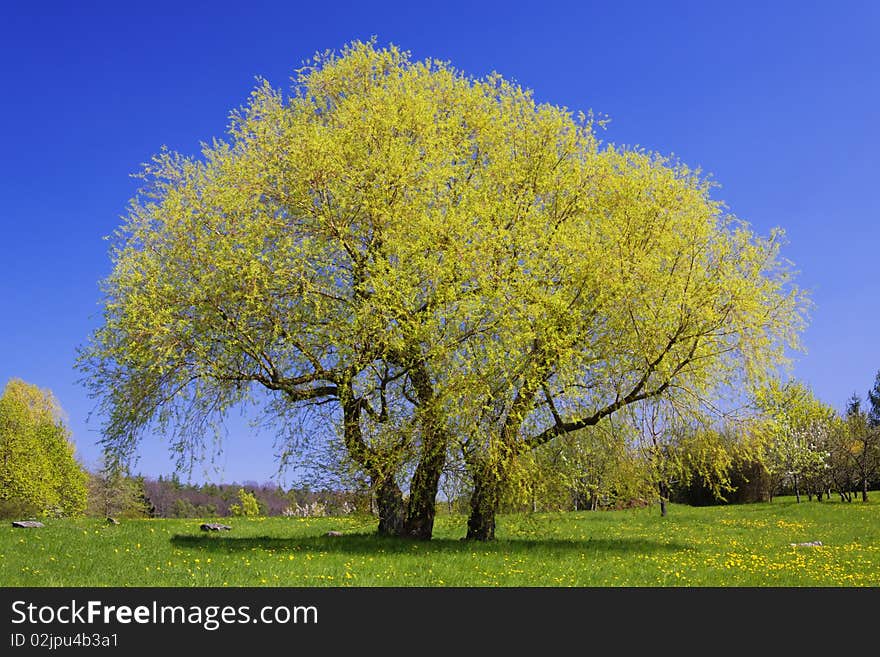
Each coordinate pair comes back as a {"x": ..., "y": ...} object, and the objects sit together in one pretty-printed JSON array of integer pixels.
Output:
[
  {"x": 38, "y": 471},
  {"x": 708, "y": 457},
  {"x": 440, "y": 254},
  {"x": 590, "y": 468},
  {"x": 112, "y": 492},
  {"x": 794, "y": 429},
  {"x": 247, "y": 506}
]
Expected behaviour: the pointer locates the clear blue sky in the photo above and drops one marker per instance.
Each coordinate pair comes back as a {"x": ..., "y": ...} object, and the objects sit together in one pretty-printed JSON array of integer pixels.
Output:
[{"x": 778, "y": 101}]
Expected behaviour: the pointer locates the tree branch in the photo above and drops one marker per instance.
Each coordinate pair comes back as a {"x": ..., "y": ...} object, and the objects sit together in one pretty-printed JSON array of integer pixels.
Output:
[{"x": 637, "y": 393}]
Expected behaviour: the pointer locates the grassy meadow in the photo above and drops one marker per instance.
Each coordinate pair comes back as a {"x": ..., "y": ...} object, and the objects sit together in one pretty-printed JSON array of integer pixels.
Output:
[{"x": 744, "y": 545}]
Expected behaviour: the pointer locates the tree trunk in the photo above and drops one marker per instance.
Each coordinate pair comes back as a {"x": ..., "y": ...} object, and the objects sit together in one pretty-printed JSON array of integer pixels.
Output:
[
  {"x": 484, "y": 505},
  {"x": 865, "y": 489},
  {"x": 423, "y": 494},
  {"x": 490, "y": 471},
  {"x": 664, "y": 496},
  {"x": 381, "y": 468},
  {"x": 389, "y": 503},
  {"x": 426, "y": 478},
  {"x": 481, "y": 522},
  {"x": 797, "y": 492}
]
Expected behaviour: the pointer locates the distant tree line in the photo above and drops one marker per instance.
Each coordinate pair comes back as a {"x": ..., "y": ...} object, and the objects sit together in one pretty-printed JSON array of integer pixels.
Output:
[
  {"x": 168, "y": 497},
  {"x": 114, "y": 494}
]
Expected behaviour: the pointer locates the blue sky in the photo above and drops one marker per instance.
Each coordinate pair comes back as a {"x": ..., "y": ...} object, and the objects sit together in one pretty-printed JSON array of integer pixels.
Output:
[{"x": 778, "y": 101}]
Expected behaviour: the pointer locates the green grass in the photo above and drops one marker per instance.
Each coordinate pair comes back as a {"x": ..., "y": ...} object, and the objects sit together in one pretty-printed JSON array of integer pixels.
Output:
[{"x": 746, "y": 545}]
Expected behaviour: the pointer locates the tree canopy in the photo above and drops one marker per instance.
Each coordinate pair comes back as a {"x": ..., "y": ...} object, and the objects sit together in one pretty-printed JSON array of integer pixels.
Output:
[{"x": 441, "y": 263}]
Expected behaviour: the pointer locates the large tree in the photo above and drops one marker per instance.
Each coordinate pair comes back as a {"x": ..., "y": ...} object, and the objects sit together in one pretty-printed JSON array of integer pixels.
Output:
[
  {"x": 39, "y": 472},
  {"x": 436, "y": 262},
  {"x": 324, "y": 254}
]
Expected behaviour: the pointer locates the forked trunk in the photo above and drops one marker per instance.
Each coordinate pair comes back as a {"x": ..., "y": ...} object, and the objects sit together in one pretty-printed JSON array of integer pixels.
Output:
[
  {"x": 389, "y": 498},
  {"x": 419, "y": 521}
]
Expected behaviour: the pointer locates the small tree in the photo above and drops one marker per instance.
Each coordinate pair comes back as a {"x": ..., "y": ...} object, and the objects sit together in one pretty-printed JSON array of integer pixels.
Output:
[
  {"x": 589, "y": 468},
  {"x": 874, "y": 402},
  {"x": 113, "y": 492},
  {"x": 38, "y": 469},
  {"x": 248, "y": 506},
  {"x": 710, "y": 460},
  {"x": 863, "y": 440},
  {"x": 795, "y": 427}
]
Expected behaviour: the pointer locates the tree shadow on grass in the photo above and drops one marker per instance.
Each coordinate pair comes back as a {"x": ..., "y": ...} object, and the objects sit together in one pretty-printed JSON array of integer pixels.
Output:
[{"x": 373, "y": 544}]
